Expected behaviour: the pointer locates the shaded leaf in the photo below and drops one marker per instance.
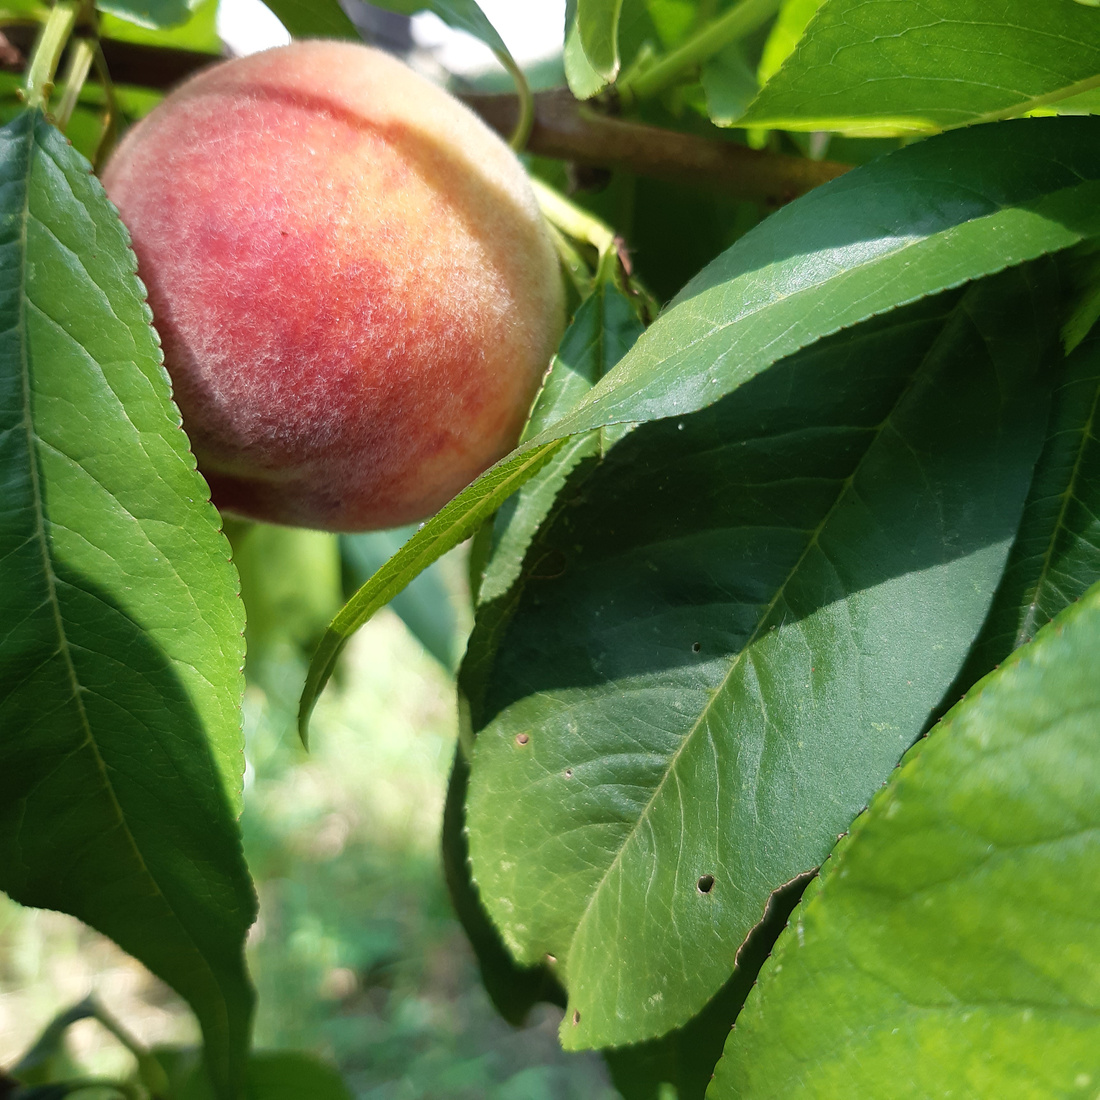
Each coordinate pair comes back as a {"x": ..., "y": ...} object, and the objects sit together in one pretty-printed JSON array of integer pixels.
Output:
[
  {"x": 897, "y": 66},
  {"x": 272, "y": 1075},
  {"x": 750, "y": 614},
  {"x": 604, "y": 329},
  {"x": 120, "y": 644},
  {"x": 513, "y": 989},
  {"x": 1056, "y": 555},
  {"x": 950, "y": 943}
]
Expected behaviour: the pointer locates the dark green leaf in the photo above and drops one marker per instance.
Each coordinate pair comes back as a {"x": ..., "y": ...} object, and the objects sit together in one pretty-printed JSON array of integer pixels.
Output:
[
  {"x": 732, "y": 633},
  {"x": 930, "y": 216},
  {"x": 148, "y": 13},
  {"x": 1056, "y": 555},
  {"x": 120, "y": 644},
  {"x": 604, "y": 329},
  {"x": 949, "y": 947},
  {"x": 514, "y": 989},
  {"x": 897, "y": 66},
  {"x": 314, "y": 18},
  {"x": 272, "y": 1075}
]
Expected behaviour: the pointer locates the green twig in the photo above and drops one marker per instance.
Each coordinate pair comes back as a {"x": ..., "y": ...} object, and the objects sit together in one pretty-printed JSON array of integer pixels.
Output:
[
  {"x": 110, "y": 114},
  {"x": 81, "y": 57},
  {"x": 38, "y": 83},
  {"x": 740, "y": 20},
  {"x": 572, "y": 220}
]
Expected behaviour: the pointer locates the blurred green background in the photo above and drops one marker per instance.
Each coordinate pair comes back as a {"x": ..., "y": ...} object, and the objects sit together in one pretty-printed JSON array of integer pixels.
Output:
[{"x": 356, "y": 955}]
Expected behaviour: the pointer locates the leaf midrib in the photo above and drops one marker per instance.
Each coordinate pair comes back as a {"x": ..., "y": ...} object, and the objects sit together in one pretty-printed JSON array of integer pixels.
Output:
[
  {"x": 718, "y": 691},
  {"x": 41, "y": 536},
  {"x": 1027, "y": 627}
]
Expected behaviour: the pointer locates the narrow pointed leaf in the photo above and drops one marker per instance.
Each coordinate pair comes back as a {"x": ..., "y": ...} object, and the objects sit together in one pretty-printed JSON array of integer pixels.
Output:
[
  {"x": 453, "y": 524},
  {"x": 949, "y": 947},
  {"x": 584, "y": 78},
  {"x": 925, "y": 218},
  {"x": 750, "y": 614},
  {"x": 602, "y": 332},
  {"x": 121, "y": 753},
  {"x": 1056, "y": 556},
  {"x": 896, "y": 66}
]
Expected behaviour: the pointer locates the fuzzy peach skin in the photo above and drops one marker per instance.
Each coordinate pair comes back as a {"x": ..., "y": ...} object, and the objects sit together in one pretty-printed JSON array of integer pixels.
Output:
[{"x": 353, "y": 285}]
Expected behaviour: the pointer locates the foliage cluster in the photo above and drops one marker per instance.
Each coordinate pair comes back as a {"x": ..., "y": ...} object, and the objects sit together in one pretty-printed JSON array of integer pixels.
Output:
[{"x": 812, "y": 521}]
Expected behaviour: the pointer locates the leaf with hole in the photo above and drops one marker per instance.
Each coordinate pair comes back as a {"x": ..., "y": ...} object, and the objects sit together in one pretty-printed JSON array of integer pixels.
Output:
[
  {"x": 949, "y": 946},
  {"x": 120, "y": 626},
  {"x": 732, "y": 632}
]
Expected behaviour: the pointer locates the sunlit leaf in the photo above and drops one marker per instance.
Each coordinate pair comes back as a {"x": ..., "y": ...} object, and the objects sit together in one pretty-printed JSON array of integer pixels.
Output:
[
  {"x": 949, "y": 947},
  {"x": 897, "y": 66},
  {"x": 120, "y": 628}
]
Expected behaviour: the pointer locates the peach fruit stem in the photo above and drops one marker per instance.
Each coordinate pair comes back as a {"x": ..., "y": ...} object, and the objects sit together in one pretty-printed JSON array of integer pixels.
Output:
[{"x": 81, "y": 57}]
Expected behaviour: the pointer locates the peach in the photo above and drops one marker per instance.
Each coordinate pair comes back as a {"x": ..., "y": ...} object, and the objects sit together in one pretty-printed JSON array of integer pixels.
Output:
[{"x": 354, "y": 289}]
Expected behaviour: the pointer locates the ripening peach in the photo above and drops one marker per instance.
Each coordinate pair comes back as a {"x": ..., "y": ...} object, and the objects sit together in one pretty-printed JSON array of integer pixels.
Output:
[{"x": 353, "y": 285}]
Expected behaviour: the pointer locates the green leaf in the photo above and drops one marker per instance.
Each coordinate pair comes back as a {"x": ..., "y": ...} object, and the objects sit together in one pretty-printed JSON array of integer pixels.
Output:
[
  {"x": 1056, "y": 555},
  {"x": 198, "y": 33},
  {"x": 148, "y": 13},
  {"x": 513, "y": 989},
  {"x": 598, "y": 26},
  {"x": 120, "y": 643},
  {"x": 918, "y": 66},
  {"x": 272, "y": 1075},
  {"x": 949, "y": 947},
  {"x": 462, "y": 15},
  {"x": 584, "y": 79},
  {"x": 453, "y": 524},
  {"x": 786, "y": 33},
  {"x": 314, "y": 19},
  {"x": 729, "y": 84},
  {"x": 603, "y": 330},
  {"x": 736, "y": 628},
  {"x": 684, "y": 1059},
  {"x": 424, "y": 606},
  {"x": 927, "y": 217}
]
